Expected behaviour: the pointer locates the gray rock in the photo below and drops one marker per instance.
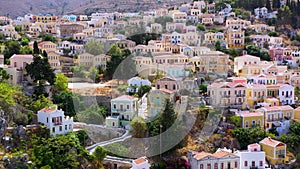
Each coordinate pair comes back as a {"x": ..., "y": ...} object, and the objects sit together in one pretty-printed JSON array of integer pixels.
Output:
[{"x": 3, "y": 127}]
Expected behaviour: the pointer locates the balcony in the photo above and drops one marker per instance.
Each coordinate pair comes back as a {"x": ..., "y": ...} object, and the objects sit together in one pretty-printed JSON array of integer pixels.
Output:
[
  {"x": 226, "y": 96},
  {"x": 240, "y": 95}
]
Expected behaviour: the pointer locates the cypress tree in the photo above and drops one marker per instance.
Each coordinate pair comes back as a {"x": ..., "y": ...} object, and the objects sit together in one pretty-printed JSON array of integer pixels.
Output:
[{"x": 35, "y": 48}]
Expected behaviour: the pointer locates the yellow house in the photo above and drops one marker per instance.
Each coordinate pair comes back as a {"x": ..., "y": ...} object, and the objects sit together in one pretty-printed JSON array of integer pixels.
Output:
[
  {"x": 252, "y": 119},
  {"x": 255, "y": 93},
  {"x": 297, "y": 114},
  {"x": 275, "y": 151},
  {"x": 250, "y": 70},
  {"x": 235, "y": 38},
  {"x": 272, "y": 101}
]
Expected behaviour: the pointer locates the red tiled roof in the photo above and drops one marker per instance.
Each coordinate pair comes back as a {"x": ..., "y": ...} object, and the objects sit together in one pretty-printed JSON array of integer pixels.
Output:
[
  {"x": 167, "y": 91},
  {"x": 140, "y": 160},
  {"x": 271, "y": 142},
  {"x": 47, "y": 110}
]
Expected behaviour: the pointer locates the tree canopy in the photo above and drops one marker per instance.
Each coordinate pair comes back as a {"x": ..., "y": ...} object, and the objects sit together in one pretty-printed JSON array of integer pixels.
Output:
[{"x": 94, "y": 47}]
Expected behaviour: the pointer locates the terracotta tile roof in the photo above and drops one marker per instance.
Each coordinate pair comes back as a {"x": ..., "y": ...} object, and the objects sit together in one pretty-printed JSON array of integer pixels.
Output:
[
  {"x": 166, "y": 91},
  {"x": 140, "y": 160},
  {"x": 253, "y": 145},
  {"x": 47, "y": 110},
  {"x": 220, "y": 154},
  {"x": 271, "y": 142},
  {"x": 199, "y": 156}
]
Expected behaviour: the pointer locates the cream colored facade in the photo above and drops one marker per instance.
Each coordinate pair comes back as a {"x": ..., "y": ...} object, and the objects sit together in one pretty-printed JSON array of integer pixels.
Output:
[
  {"x": 227, "y": 94},
  {"x": 212, "y": 38},
  {"x": 101, "y": 60},
  {"x": 54, "y": 61},
  {"x": 213, "y": 62},
  {"x": 85, "y": 59},
  {"x": 240, "y": 62}
]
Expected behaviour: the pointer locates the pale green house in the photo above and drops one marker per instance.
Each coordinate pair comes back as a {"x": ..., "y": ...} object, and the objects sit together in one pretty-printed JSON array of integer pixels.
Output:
[{"x": 123, "y": 110}]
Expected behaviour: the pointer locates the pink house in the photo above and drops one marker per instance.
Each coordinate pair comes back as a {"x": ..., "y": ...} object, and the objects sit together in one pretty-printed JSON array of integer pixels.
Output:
[
  {"x": 20, "y": 61},
  {"x": 167, "y": 83}
]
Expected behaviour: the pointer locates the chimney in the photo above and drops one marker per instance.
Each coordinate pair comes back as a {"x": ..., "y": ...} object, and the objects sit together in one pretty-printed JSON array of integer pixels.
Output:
[{"x": 244, "y": 52}]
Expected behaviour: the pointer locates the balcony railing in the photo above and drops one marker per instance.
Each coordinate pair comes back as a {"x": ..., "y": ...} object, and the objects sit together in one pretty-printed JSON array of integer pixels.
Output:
[{"x": 240, "y": 95}]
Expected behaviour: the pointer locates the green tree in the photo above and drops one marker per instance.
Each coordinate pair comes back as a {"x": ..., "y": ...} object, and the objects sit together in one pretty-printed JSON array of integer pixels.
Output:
[
  {"x": 36, "y": 49},
  {"x": 40, "y": 103},
  {"x": 61, "y": 151},
  {"x": 143, "y": 90},
  {"x": 82, "y": 135},
  {"x": 48, "y": 37},
  {"x": 117, "y": 56},
  {"x": 138, "y": 127},
  {"x": 203, "y": 88},
  {"x": 94, "y": 74},
  {"x": 94, "y": 47},
  {"x": 18, "y": 28},
  {"x": 236, "y": 120},
  {"x": 26, "y": 50},
  {"x": 163, "y": 20},
  {"x": 24, "y": 41},
  {"x": 69, "y": 102},
  {"x": 201, "y": 27},
  {"x": 11, "y": 47},
  {"x": 291, "y": 140},
  {"x": 274, "y": 34},
  {"x": 44, "y": 74},
  {"x": 295, "y": 128},
  {"x": 92, "y": 115},
  {"x": 78, "y": 71},
  {"x": 168, "y": 116},
  {"x": 99, "y": 153},
  {"x": 61, "y": 82},
  {"x": 249, "y": 136},
  {"x": 3, "y": 75}
]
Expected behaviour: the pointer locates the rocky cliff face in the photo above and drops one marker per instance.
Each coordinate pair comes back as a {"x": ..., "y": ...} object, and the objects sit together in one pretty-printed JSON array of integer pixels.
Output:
[
  {"x": 79, "y": 6},
  {"x": 3, "y": 127}
]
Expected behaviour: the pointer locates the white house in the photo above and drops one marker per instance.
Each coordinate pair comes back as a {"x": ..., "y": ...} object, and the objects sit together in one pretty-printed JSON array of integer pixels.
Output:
[
  {"x": 175, "y": 38},
  {"x": 240, "y": 62},
  {"x": 252, "y": 158},
  {"x": 55, "y": 120},
  {"x": 286, "y": 94},
  {"x": 140, "y": 163},
  {"x": 137, "y": 82}
]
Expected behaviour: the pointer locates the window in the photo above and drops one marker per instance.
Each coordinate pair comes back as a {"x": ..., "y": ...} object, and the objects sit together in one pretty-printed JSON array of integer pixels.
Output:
[
  {"x": 158, "y": 86},
  {"x": 246, "y": 163},
  {"x": 253, "y": 163},
  {"x": 70, "y": 126},
  {"x": 66, "y": 127},
  {"x": 260, "y": 163},
  {"x": 60, "y": 128},
  {"x": 208, "y": 166},
  {"x": 222, "y": 165},
  {"x": 127, "y": 106},
  {"x": 235, "y": 164},
  {"x": 201, "y": 166},
  {"x": 47, "y": 120},
  {"x": 115, "y": 106},
  {"x": 247, "y": 123},
  {"x": 53, "y": 130},
  {"x": 174, "y": 87},
  {"x": 216, "y": 166}
]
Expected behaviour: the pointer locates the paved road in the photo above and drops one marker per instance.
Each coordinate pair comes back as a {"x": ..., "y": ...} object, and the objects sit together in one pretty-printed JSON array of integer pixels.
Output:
[{"x": 125, "y": 136}]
